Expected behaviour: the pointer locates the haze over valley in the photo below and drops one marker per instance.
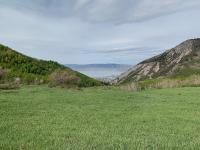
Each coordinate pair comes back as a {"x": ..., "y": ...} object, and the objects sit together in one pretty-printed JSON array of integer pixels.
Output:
[{"x": 100, "y": 71}]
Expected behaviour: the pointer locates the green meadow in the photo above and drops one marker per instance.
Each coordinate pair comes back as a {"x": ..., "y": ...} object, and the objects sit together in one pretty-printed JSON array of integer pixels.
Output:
[{"x": 38, "y": 117}]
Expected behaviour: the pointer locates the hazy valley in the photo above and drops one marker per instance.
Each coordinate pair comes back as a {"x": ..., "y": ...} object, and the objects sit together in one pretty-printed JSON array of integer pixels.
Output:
[
  {"x": 99, "y": 75},
  {"x": 104, "y": 72}
]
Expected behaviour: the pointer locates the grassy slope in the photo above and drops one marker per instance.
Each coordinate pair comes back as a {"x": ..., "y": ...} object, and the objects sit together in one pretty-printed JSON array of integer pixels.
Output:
[{"x": 44, "y": 118}]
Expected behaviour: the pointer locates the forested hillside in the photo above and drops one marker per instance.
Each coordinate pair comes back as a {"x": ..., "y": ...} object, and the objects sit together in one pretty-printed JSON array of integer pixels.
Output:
[{"x": 33, "y": 71}]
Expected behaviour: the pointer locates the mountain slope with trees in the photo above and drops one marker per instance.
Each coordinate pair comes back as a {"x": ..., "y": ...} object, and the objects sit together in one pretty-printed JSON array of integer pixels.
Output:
[{"x": 14, "y": 65}]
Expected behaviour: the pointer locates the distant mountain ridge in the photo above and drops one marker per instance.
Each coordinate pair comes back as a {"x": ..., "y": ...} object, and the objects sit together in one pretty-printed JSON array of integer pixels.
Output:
[
  {"x": 99, "y": 66},
  {"x": 183, "y": 60}
]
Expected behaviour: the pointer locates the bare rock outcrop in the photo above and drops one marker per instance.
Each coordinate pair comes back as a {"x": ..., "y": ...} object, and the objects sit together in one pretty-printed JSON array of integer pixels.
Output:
[{"x": 187, "y": 54}]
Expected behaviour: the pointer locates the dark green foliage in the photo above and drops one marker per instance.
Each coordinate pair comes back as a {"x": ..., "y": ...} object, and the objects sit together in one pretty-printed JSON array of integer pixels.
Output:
[{"x": 34, "y": 71}]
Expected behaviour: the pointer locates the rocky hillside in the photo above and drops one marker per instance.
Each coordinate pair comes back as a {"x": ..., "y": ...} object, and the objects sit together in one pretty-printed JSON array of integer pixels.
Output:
[
  {"x": 14, "y": 65},
  {"x": 183, "y": 60}
]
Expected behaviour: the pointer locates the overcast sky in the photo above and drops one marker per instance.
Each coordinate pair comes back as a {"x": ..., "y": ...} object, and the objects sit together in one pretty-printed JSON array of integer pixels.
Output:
[{"x": 97, "y": 31}]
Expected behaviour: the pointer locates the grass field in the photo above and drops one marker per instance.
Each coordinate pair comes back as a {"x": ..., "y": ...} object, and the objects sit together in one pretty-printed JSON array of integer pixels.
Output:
[{"x": 42, "y": 118}]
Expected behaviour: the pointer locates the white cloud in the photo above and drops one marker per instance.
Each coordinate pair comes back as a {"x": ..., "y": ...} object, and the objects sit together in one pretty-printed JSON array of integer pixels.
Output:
[
  {"x": 118, "y": 11},
  {"x": 106, "y": 11}
]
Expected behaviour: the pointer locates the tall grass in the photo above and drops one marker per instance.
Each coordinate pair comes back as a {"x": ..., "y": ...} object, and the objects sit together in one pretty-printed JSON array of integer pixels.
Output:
[{"x": 191, "y": 81}]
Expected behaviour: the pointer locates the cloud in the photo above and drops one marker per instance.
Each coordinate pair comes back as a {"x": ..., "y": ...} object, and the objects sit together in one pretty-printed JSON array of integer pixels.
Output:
[
  {"x": 118, "y": 11},
  {"x": 104, "y": 11},
  {"x": 124, "y": 50},
  {"x": 97, "y": 31}
]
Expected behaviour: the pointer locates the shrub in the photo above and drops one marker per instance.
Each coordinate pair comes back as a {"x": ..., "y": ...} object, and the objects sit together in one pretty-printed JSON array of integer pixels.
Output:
[
  {"x": 64, "y": 78},
  {"x": 2, "y": 74}
]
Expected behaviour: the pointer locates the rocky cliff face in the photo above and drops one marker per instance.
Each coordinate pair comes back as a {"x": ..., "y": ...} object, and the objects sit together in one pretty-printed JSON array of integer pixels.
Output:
[{"x": 169, "y": 63}]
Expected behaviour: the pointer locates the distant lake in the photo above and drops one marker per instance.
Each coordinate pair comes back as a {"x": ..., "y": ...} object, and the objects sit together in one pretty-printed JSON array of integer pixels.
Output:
[
  {"x": 100, "y": 70},
  {"x": 101, "y": 73}
]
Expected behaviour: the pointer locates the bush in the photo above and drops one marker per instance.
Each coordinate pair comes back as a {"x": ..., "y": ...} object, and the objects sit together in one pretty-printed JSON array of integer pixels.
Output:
[
  {"x": 2, "y": 74},
  {"x": 64, "y": 78},
  {"x": 8, "y": 84}
]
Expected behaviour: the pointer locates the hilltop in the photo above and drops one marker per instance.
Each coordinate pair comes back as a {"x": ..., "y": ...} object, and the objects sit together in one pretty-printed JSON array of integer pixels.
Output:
[
  {"x": 34, "y": 71},
  {"x": 181, "y": 61}
]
